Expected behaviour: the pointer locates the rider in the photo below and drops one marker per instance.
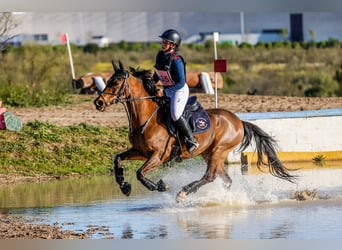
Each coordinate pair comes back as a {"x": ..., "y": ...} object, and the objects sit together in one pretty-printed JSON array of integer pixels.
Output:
[{"x": 170, "y": 70}]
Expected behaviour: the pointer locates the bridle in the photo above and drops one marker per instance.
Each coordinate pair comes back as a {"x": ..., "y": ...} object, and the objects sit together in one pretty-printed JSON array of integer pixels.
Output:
[
  {"x": 121, "y": 90},
  {"x": 127, "y": 99}
]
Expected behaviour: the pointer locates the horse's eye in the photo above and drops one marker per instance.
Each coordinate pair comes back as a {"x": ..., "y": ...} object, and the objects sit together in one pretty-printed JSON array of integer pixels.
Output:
[
  {"x": 114, "y": 82},
  {"x": 111, "y": 82}
]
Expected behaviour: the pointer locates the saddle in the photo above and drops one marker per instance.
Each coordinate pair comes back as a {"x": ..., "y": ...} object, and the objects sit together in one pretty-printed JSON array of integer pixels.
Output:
[{"x": 195, "y": 115}]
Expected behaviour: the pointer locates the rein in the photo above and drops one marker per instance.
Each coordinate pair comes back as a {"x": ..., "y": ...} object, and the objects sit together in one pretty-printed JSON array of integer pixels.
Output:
[
  {"x": 129, "y": 100},
  {"x": 135, "y": 99}
]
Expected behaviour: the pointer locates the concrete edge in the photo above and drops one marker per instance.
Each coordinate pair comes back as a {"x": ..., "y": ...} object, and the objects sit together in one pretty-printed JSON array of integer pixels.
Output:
[{"x": 294, "y": 114}]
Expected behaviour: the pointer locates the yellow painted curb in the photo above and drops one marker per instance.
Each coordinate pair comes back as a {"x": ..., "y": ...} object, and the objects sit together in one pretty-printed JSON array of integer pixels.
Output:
[{"x": 300, "y": 160}]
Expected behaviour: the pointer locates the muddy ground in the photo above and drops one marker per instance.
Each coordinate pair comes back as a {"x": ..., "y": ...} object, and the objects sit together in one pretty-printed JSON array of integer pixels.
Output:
[
  {"x": 17, "y": 228},
  {"x": 116, "y": 116}
]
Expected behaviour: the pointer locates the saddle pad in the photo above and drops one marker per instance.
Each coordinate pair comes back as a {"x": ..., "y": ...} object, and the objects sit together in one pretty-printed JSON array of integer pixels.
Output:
[
  {"x": 196, "y": 116},
  {"x": 199, "y": 120}
]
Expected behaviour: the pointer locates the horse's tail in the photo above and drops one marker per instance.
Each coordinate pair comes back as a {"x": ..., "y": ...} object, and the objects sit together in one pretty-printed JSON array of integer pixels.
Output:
[{"x": 265, "y": 145}]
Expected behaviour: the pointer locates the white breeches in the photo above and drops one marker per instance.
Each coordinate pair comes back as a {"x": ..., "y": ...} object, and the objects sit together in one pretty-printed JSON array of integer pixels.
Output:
[{"x": 178, "y": 101}]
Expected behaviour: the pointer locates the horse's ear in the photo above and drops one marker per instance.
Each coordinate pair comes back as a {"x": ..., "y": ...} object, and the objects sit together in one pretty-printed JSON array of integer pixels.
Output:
[
  {"x": 121, "y": 66},
  {"x": 116, "y": 68}
]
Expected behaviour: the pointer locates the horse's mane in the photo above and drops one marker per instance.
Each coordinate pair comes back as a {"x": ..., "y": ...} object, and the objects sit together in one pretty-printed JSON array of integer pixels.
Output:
[
  {"x": 146, "y": 77},
  {"x": 140, "y": 73}
]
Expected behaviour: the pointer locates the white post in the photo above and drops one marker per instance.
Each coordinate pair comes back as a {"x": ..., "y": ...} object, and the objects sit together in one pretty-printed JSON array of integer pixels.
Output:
[
  {"x": 70, "y": 57},
  {"x": 216, "y": 38},
  {"x": 100, "y": 85},
  {"x": 242, "y": 26}
]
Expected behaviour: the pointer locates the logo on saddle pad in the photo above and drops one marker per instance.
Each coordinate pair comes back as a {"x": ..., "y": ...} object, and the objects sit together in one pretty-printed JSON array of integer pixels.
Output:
[
  {"x": 196, "y": 116},
  {"x": 201, "y": 123}
]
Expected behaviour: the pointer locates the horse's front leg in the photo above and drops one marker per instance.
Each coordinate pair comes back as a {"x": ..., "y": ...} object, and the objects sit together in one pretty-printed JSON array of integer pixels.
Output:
[
  {"x": 148, "y": 166},
  {"x": 130, "y": 154}
]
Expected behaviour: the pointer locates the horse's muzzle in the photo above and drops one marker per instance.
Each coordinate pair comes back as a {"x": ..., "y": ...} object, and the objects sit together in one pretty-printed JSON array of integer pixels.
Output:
[{"x": 100, "y": 105}]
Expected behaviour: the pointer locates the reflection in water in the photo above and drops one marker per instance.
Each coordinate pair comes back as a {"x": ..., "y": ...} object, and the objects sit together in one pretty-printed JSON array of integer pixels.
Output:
[
  {"x": 281, "y": 231},
  {"x": 207, "y": 223},
  {"x": 81, "y": 191},
  {"x": 127, "y": 232},
  {"x": 158, "y": 232},
  {"x": 257, "y": 206}
]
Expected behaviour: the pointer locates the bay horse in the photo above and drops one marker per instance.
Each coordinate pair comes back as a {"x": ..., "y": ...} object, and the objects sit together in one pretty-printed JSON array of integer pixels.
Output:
[{"x": 152, "y": 142}]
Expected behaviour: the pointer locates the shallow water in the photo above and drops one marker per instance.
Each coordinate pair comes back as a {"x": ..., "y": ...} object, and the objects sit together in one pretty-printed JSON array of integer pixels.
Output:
[{"x": 257, "y": 206}]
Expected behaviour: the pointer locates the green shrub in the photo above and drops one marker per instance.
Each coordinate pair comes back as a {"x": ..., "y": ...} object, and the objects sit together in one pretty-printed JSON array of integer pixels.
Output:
[
  {"x": 332, "y": 43},
  {"x": 34, "y": 76},
  {"x": 260, "y": 45},
  {"x": 245, "y": 45},
  {"x": 92, "y": 48},
  {"x": 317, "y": 84},
  {"x": 277, "y": 44}
]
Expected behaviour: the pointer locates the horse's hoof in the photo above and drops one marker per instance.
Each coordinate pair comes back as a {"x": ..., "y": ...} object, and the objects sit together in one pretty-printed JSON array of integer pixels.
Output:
[
  {"x": 181, "y": 196},
  {"x": 126, "y": 188},
  {"x": 161, "y": 186}
]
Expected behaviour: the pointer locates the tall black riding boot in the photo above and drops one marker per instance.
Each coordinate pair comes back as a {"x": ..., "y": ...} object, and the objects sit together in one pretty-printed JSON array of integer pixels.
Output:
[{"x": 190, "y": 142}]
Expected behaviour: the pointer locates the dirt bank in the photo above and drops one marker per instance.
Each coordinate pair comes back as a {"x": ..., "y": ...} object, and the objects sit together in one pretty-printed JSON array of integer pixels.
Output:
[
  {"x": 17, "y": 228},
  {"x": 116, "y": 116}
]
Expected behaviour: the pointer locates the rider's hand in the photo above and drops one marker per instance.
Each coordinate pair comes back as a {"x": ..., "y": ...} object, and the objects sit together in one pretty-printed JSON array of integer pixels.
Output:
[{"x": 160, "y": 93}]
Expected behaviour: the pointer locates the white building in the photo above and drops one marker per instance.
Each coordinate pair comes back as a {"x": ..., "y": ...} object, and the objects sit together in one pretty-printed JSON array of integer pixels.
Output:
[{"x": 82, "y": 27}]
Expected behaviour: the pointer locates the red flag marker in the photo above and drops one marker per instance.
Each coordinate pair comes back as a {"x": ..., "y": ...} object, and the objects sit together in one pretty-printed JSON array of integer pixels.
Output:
[{"x": 63, "y": 38}]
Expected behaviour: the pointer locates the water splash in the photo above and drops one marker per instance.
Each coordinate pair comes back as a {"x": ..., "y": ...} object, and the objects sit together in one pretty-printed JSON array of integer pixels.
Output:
[{"x": 250, "y": 189}]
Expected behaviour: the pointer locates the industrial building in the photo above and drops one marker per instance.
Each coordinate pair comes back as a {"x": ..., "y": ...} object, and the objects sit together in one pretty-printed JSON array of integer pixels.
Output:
[{"x": 236, "y": 27}]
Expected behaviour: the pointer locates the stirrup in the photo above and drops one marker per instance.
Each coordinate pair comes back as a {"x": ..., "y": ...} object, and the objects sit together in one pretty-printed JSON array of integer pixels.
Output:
[{"x": 191, "y": 145}]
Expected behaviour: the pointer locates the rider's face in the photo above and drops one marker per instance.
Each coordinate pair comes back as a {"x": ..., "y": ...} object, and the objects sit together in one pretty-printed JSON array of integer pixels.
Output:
[{"x": 166, "y": 45}]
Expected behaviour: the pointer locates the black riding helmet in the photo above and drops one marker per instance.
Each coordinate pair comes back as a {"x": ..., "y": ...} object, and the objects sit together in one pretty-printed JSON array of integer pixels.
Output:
[{"x": 172, "y": 35}]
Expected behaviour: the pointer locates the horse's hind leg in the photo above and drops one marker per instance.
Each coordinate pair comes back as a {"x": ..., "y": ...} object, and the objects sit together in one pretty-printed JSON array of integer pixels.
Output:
[
  {"x": 226, "y": 179},
  {"x": 220, "y": 169},
  {"x": 215, "y": 168},
  {"x": 191, "y": 188},
  {"x": 195, "y": 185}
]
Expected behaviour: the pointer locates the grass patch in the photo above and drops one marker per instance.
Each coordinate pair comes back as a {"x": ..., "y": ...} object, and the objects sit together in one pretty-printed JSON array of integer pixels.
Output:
[{"x": 45, "y": 149}]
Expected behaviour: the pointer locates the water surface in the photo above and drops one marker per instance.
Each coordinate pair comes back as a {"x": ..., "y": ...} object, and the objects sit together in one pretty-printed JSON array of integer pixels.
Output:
[{"x": 258, "y": 206}]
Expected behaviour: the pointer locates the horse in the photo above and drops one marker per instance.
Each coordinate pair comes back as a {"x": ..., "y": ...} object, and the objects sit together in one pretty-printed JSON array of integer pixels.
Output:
[
  {"x": 86, "y": 82},
  {"x": 152, "y": 142},
  {"x": 193, "y": 79}
]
